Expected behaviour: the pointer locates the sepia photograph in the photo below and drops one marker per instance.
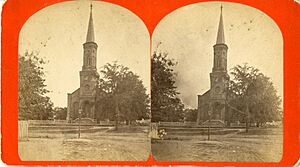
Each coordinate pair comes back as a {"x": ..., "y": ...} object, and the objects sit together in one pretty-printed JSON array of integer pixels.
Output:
[
  {"x": 150, "y": 82},
  {"x": 210, "y": 91},
  {"x": 217, "y": 85},
  {"x": 84, "y": 84}
]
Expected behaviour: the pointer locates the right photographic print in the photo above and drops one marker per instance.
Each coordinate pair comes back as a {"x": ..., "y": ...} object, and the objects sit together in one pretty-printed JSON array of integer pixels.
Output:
[{"x": 217, "y": 85}]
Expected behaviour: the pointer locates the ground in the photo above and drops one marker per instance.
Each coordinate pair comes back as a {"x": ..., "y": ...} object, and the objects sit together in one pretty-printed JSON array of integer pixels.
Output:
[
  {"x": 133, "y": 144},
  {"x": 258, "y": 145},
  {"x": 100, "y": 146}
]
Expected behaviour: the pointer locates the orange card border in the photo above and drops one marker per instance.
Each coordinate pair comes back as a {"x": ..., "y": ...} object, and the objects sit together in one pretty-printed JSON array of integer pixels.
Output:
[{"x": 286, "y": 13}]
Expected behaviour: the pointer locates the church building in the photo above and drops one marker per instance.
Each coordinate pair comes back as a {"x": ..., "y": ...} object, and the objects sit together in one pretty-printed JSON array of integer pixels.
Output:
[
  {"x": 84, "y": 97},
  {"x": 212, "y": 104}
]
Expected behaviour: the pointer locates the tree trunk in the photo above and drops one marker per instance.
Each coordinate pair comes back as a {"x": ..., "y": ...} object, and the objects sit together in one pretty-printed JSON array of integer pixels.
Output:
[
  {"x": 247, "y": 126},
  {"x": 117, "y": 113},
  {"x": 247, "y": 118},
  {"x": 116, "y": 124}
]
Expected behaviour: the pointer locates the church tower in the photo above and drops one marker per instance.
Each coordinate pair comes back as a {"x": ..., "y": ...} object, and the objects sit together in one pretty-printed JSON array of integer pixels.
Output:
[
  {"x": 88, "y": 75},
  {"x": 84, "y": 98},
  {"x": 219, "y": 78},
  {"x": 212, "y": 104}
]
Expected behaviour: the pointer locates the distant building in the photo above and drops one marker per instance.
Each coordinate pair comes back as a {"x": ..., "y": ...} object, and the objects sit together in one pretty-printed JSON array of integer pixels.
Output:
[
  {"x": 85, "y": 96},
  {"x": 212, "y": 104}
]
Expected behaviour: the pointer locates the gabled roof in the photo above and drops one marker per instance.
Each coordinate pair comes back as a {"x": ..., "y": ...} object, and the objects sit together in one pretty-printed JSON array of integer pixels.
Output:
[{"x": 207, "y": 92}]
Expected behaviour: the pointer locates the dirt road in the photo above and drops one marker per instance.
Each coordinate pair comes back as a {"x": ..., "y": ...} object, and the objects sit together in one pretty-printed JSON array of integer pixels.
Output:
[
  {"x": 238, "y": 147},
  {"x": 259, "y": 145},
  {"x": 91, "y": 146}
]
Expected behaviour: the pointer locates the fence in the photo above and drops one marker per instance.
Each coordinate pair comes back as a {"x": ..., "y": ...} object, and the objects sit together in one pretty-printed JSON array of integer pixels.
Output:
[
  {"x": 23, "y": 130},
  {"x": 108, "y": 123},
  {"x": 174, "y": 124},
  {"x": 46, "y": 121}
]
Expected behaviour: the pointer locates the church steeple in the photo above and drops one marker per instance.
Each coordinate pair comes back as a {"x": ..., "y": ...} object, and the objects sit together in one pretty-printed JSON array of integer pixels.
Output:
[
  {"x": 90, "y": 37},
  {"x": 90, "y": 46},
  {"x": 215, "y": 101},
  {"x": 85, "y": 97},
  {"x": 220, "y": 48},
  {"x": 221, "y": 37}
]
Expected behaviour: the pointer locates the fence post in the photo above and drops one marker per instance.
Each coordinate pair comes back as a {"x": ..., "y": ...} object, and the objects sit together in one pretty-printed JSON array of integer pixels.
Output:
[{"x": 23, "y": 130}]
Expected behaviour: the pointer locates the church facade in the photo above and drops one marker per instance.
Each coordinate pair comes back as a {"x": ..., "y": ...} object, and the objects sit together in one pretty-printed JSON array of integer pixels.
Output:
[
  {"x": 84, "y": 97},
  {"x": 212, "y": 104}
]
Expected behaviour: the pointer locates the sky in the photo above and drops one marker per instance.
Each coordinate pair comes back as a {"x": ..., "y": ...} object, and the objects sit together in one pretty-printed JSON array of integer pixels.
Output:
[
  {"x": 189, "y": 33},
  {"x": 57, "y": 33}
]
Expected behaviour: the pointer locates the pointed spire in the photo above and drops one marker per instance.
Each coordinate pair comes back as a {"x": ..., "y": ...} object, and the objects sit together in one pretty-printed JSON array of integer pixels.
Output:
[
  {"x": 90, "y": 33},
  {"x": 221, "y": 37}
]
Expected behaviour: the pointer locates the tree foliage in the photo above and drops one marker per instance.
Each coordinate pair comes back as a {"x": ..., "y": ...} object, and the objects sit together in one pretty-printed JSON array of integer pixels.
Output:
[
  {"x": 254, "y": 93},
  {"x": 121, "y": 94},
  {"x": 60, "y": 113},
  {"x": 33, "y": 103},
  {"x": 165, "y": 104},
  {"x": 190, "y": 115}
]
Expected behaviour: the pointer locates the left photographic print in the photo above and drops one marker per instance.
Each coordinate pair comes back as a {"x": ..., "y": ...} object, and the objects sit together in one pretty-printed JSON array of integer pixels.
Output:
[{"x": 84, "y": 84}]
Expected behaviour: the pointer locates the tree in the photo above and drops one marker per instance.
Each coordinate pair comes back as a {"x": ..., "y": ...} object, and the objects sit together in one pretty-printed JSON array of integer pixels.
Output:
[
  {"x": 165, "y": 103},
  {"x": 264, "y": 103},
  {"x": 190, "y": 115},
  {"x": 33, "y": 104},
  {"x": 122, "y": 95},
  {"x": 253, "y": 93},
  {"x": 60, "y": 113}
]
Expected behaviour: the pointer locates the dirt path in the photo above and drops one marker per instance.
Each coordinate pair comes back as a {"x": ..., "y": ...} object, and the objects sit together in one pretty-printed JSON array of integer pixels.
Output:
[
  {"x": 233, "y": 148},
  {"x": 94, "y": 146},
  {"x": 40, "y": 149},
  {"x": 108, "y": 146}
]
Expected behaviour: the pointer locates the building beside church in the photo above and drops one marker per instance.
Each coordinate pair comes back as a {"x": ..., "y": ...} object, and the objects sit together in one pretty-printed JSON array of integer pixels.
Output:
[
  {"x": 212, "y": 104},
  {"x": 85, "y": 96}
]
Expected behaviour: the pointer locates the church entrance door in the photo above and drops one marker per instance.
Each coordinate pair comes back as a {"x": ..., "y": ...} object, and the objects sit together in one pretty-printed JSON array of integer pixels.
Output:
[{"x": 86, "y": 106}]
